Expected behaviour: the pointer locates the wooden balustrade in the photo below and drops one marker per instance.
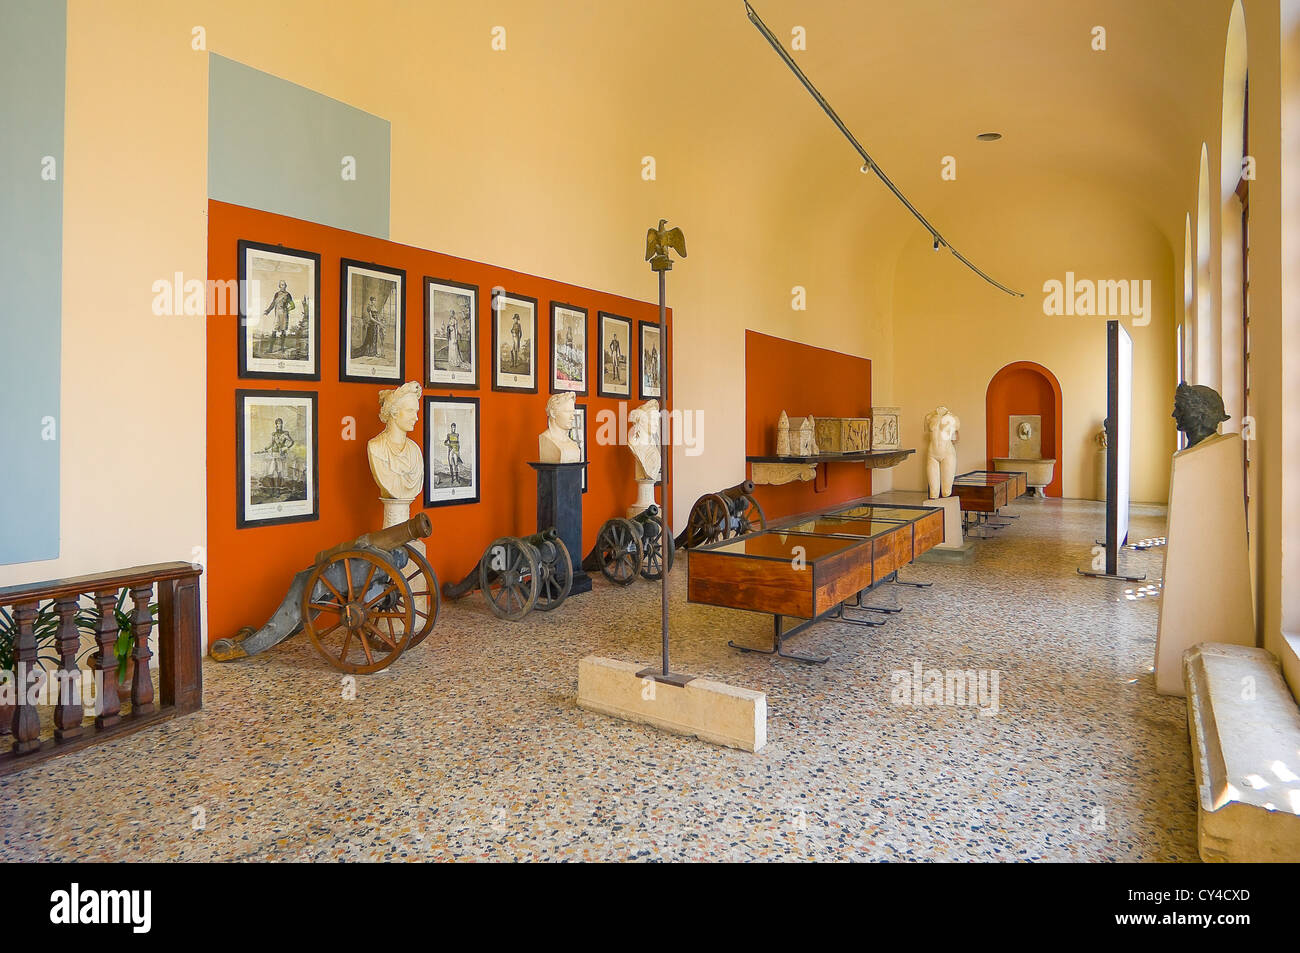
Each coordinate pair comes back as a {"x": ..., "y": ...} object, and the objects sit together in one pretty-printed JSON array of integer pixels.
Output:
[{"x": 179, "y": 657}]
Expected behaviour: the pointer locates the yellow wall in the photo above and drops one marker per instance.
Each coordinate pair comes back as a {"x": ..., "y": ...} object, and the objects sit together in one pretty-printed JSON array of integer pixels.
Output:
[{"x": 953, "y": 332}]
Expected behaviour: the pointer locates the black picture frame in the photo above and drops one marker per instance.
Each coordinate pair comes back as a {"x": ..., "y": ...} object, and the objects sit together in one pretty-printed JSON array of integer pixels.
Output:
[
  {"x": 580, "y": 410},
  {"x": 430, "y": 460},
  {"x": 605, "y": 319},
  {"x": 398, "y": 375},
  {"x": 498, "y": 305},
  {"x": 262, "y": 370},
  {"x": 242, "y": 518},
  {"x": 556, "y": 386},
  {"x": 432, "y": 284},
  {"x": 645, "y": 393}
]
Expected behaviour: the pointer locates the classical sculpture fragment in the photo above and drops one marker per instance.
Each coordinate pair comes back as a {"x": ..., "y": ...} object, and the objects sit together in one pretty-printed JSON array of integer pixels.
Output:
[{"x": 941, "y": 452}]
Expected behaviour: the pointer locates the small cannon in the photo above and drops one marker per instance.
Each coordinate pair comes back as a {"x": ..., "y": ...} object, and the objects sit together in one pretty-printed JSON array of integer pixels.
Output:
[
  {"x": 626, "y": 547},
  {"x": 518, "y": 575},
  {"x": 363, "y": 602},
  {"x": 721, "y": 515}
]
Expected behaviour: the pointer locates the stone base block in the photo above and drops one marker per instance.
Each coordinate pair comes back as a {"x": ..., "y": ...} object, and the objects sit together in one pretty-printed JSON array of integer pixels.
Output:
[
  {"x": 945, "y": 554},
  {"x": 702, "y": 708},
  {"x": 952, "y": 535},
  {"x": 1245, "y": 733}
]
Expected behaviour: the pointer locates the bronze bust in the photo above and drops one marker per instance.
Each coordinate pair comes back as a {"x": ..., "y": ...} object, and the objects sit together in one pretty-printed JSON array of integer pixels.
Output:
[{"x": 1198, "y": 411}]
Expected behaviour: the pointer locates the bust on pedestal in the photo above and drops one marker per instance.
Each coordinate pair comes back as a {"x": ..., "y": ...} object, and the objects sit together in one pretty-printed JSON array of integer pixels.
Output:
[
  {"x": 554, "y": 445},
  {"x": 559, "y": 484},
  {"x": 643, "y": 441},
  {"x": 395, "y": 459}
]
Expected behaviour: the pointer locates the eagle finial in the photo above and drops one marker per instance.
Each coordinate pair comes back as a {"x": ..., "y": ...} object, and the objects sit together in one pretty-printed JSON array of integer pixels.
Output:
[{"x": 657, "y": 243}]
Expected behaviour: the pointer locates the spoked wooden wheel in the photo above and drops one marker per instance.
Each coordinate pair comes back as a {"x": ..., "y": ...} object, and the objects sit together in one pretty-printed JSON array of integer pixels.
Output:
[
  {"x": 555, "y": 573},
  {"x": 709, "y": 522},
  {"x": 619, "y": 550},
  {"x": 749, "y": 517},
  {"x": 652, "y": 559},
  {"x": 426, "y": 600},
  {"x": 356, "y": 609},
  {"x": 509, "y": 574}
]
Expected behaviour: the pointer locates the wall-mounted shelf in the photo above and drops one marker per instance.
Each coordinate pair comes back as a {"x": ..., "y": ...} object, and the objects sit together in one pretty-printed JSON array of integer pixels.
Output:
[{"x": 771, "y": 470}]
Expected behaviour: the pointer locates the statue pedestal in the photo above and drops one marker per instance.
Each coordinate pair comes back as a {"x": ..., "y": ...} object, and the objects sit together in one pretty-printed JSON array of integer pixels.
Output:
[
  {"x": 645, "y": 496},
  {"x": 559, "y": 504},
  {"x": 396, "y": 511},
  {"x": 952, "y": 535},
  {"x": 1206, "y": 595},
  {"x": 1099, "y": 475}
]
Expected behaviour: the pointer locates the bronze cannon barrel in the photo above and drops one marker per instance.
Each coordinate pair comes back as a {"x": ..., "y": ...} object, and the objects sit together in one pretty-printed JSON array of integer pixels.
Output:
[
  {"x": 417, "y": 527},
  {"x": 744, "y": 488}
]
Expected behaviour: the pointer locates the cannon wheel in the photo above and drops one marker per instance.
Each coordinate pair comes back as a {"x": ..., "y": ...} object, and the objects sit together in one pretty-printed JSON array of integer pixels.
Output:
[
  {"x": 619, "y": 550},
  {"x": 750, "y": 518},
  {"x": 509, "y": 575},
  {"x": 556, "y": 572},
  {"x": 652, "y": 558},
  {"x": 355, "y": 632},
  {"x": 709, "y": 520},
  {"x": 424, "y": 585}
]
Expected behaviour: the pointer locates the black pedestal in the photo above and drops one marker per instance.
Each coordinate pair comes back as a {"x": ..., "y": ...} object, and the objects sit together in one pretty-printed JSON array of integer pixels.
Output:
[{"x": 559, "y": 504}]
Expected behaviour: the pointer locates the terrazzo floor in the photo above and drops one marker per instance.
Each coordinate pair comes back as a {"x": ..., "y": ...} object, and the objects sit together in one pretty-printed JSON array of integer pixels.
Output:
[{"x": 471, "y": 746}]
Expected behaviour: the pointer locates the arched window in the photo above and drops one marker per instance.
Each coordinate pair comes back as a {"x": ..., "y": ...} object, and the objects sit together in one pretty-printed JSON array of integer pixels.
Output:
[
  {"x": 1205, "y": 365},
  {"x": 1235, "y": 235}
]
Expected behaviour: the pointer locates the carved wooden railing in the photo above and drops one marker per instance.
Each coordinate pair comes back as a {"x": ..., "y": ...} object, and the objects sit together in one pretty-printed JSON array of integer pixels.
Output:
[{"x": 179, "y": 656}]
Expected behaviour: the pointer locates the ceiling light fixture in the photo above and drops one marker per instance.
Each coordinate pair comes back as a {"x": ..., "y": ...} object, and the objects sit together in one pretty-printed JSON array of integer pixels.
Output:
[
  {"x": 869, "y": 164},
  {"x": 989, "y": 136}
]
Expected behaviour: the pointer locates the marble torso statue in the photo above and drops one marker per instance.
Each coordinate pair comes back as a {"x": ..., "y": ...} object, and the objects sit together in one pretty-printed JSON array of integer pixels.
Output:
[
  {"x": 554, "y": 445},
  {"x": 643, "y": 439},
  {"x": 395, "y": 459},
  {"x": 941, "y": 454}
]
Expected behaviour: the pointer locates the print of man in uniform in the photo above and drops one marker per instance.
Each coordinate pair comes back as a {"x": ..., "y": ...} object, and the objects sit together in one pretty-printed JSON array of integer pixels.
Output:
[
  {"x": 278, "y": 447},
  {"x": 282, "y": 303},
  {"x": 615, "y": 356},
  {"x": 452, "y": 444},
  {"x": 517, "y": 333}
]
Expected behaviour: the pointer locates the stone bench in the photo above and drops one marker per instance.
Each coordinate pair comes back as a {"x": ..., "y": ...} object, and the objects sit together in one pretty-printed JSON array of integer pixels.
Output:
[{"x": 1245, "y": 733}]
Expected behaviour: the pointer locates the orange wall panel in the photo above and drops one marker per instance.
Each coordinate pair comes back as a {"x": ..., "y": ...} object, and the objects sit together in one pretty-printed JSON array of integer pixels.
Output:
[
  {"x": 1019, "y": 389},
  {"x": 802, "y": 380},
  {"x": 249, "y": 570}
]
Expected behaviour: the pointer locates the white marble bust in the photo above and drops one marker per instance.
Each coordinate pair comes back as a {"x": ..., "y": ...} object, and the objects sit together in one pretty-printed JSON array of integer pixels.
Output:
[
  {"x": 395, "y": 459},
  {"x": 554, "y": 445},
  {"x": 643, "y": 439}
]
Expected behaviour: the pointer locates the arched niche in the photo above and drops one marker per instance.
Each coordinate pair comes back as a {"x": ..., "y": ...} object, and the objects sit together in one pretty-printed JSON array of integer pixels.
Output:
[{"x": 1024, "y": 387}]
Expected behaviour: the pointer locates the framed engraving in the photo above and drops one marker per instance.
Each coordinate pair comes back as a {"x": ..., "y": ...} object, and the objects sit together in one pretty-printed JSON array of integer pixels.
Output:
[
  {"x": 372, "y": 323},
  {"x": 649, "y": 354},
  {"x": 279, "y": 312},
  {"x": 451, "y": 451},
  {"x": 568, "y": 349},
  {"x": 615, "y": 356},
  {"x": 450, "y": 334},
  {"x": 514, "y": 343},
  {"x": 276, "y": 443}
]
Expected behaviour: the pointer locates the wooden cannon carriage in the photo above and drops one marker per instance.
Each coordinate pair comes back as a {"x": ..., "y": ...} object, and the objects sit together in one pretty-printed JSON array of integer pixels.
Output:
[
  {"x": 363, "y": 603},
  {"x": 722, "y": 515},
  {"x": 628, "y": 547},
  {"x": 519, "y": 574}
]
